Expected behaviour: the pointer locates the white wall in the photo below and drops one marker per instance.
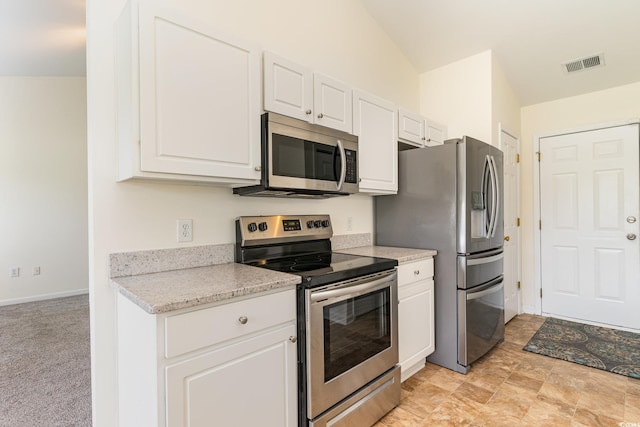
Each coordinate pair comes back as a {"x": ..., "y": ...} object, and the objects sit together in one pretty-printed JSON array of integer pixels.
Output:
[
  {"x": 619, "y": 103},
  {"x": 459, "y": 95},
  {"x": 336, "y": 37},
  {"x": 43, "y": 182},
  {"x": 505, "y": 105}
]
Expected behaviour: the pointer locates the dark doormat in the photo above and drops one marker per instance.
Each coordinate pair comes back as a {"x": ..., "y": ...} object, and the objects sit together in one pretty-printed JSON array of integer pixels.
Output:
[{"x": 602, "y": 348}]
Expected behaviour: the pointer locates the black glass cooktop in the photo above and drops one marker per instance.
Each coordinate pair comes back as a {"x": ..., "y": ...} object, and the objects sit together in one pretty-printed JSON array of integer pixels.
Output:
[{"x": 327, "y": 267}]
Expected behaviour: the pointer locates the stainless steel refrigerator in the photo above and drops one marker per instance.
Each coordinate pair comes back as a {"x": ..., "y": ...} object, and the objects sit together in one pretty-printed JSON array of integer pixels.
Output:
[{"x": 450, "y": 198}]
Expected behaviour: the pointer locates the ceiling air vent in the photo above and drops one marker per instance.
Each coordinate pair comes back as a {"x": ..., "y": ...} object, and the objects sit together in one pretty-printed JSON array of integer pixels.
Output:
[{"x": 584, "y": 63}]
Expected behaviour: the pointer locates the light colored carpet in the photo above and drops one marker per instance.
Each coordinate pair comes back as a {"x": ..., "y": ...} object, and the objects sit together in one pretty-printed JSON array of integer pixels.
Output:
[{"x": 45, "y": 364}]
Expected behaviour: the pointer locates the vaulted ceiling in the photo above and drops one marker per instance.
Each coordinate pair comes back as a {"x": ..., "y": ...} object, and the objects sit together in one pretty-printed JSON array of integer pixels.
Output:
[{"x": 531, "y": 39}]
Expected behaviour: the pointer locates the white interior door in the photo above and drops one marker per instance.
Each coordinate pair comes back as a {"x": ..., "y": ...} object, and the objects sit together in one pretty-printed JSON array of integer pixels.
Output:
[
  {"x": 509, "y": 145},
  {"x": 589, "y": 208}
]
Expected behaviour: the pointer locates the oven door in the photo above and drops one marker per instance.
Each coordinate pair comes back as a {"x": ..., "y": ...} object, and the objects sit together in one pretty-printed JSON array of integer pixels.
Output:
[
  {"x": 303, "y": 159},
  {"x": 351, "y": 337}
]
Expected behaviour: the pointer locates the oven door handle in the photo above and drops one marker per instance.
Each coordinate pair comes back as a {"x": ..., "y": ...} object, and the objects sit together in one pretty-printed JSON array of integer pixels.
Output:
[{"x": 358, "y": 288}]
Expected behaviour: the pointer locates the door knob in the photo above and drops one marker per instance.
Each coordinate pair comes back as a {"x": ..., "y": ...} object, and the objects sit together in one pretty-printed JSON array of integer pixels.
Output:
[
  {"x": 631, "y": 236},
  {"x": 631, "y": 219},
  {"x": 507, "y": 238}
]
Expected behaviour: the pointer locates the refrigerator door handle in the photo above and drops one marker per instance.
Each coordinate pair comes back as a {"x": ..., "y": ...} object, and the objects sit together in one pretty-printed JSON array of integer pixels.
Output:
[
  {"x": 495, "y": 288},
  {"x": 486, "y": 183},
  {"x": 485, "y": 260},
  {"x": 495, "y": 197}
]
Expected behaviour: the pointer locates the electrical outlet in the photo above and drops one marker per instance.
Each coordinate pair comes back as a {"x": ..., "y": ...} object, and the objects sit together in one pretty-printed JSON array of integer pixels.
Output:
[
  {"x": 15, "y": 272},
  {"x": 349, "y": 223},
  {"x": 36, "y": 271},
  {"x": 185, "y": 230}
]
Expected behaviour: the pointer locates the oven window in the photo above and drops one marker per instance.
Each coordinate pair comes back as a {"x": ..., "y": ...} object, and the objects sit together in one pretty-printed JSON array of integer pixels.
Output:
[
  {"x": 299, "y": 158},
  {"x": 355, "y": 330}
]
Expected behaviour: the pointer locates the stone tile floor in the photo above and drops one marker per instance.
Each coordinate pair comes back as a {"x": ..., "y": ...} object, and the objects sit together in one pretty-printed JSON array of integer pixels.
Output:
[{"x": 512, "y": 387}]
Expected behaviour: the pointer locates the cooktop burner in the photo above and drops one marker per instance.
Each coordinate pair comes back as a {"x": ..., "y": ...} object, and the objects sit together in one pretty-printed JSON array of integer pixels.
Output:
[
  {"x": 323, "y": 268},
  {"x": 300, "y": 245}
]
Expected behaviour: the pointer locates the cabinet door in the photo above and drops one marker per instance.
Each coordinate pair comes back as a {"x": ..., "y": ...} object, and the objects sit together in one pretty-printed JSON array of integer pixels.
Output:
[
  {"x": 250, "y": 383},
  {"x": 375, "y": 124},
  {"x": 411, "y": 127},
  {"x": 435, "y": 133},
  {"x": 332, "y": 103},
  {"x": 415, "y": 325},
  {"x": 199, "y": 98},
  {"x": 288, "y": 88}
]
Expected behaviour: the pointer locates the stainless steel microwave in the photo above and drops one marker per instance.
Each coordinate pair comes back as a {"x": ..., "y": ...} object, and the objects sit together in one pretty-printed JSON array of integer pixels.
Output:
[{"x": 300, "y": 159}]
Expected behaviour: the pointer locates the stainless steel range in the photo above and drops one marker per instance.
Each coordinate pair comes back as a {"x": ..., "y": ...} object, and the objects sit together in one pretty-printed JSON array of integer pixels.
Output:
[{"x": 347, "y": 318}]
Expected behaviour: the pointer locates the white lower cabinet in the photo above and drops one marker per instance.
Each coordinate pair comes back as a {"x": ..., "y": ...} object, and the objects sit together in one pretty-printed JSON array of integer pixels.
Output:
[
  {"x": 415, "y": 315},
  {"x": 246, "y": 384},
  {"x": 187, "y": 369}
]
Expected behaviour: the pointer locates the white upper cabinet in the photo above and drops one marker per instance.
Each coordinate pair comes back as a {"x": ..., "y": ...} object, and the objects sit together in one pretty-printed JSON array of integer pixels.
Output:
[
  {"x": 418, "y": 131},
  {"x": 375, "y": 124},
  {"x": 188, "y": 99},
  {"x": 435, "y": 133},
  {"x": 410, "y": 127},
  {"x": 288, "y": 88},
  {"x": 296, "y": 91},
  {"x": 332, "y": 103}
]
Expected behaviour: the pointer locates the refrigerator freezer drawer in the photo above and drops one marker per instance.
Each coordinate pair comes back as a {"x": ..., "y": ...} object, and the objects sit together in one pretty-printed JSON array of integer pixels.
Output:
[
  {"x": 476, "y": 269},
  {"x": 480, "y": 320}
]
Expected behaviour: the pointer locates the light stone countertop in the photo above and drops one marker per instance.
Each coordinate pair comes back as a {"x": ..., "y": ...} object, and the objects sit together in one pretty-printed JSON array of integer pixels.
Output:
[
  {"x": 173, "y": 290},
  {"x": 402, "y": 255}
]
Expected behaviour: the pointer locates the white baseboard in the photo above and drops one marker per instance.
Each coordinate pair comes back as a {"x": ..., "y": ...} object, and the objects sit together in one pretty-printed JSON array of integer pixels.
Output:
[{"x": 44, "y": 297}]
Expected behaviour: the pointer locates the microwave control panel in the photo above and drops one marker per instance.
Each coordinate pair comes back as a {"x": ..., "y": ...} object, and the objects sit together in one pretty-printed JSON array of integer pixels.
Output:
[{"x": 351, "y": 175}]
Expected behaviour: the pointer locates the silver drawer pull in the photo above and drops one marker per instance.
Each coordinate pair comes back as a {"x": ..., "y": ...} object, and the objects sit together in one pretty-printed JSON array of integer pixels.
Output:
[
  {"x": 417, "y": 272},
  {"x": 320, "y": 115},
  {"x": 243, "y": 320},
  {"x": 293, "y": 339},
  {"x": 631, "y": 236},
  {"x": 307, "y": 112}
]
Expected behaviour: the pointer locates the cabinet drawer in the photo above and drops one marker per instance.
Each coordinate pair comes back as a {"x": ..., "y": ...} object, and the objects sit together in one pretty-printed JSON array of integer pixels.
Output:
[
  {"x": 197, "y": 329},
  {"x": 414, "y": 271}
]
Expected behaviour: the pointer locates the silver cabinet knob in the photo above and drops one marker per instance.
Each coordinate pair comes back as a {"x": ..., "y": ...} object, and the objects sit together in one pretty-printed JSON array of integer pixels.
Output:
[
  {"x": 258, "y": 168},
  {"x": 243, "y": 320},
  {"x": 320, "y": 115},
  {"x": 416, "y": 272},
  {"x": 631, "y": 236},
  {"x": 631, "y": 219},
  {"x": 307, "y": 112},
  {"x": 293, "y": 339}
]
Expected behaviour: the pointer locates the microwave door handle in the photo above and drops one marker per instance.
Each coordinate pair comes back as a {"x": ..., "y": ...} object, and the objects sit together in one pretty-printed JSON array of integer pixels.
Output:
[{"x": 343, "y": 165}]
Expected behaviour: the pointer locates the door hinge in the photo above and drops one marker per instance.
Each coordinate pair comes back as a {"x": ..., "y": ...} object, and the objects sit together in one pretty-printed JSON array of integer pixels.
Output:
[
  {"x": 518, "y": 284},
  {"x": 517, "y": 157},
  {"x": 518, "y": 222},
  {"x": 540, "y": 292},
  {"x": 540, "y": 225},
  {"x": 538, "y": 154}
]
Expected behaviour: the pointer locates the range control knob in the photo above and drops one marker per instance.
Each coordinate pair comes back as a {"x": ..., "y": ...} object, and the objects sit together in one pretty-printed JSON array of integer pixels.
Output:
[
  {"x": 317, "y": 223},
  {"x": 325, "y": 223},
  {"x": 309, "y": 224},
  {"x": 252, "y": 227},
  {"x": 262, "y": 226}
]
